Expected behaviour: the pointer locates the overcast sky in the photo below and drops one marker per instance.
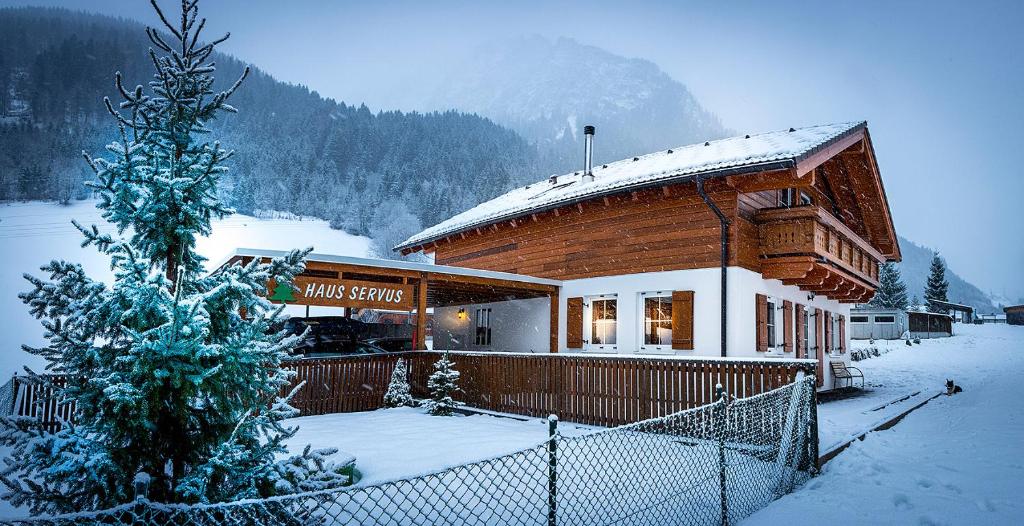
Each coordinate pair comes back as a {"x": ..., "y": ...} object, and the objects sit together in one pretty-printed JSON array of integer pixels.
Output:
[{"x": 941, "y": 84}]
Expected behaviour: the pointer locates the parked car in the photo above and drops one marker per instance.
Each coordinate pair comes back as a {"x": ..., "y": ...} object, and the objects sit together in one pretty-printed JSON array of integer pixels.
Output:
[
  {"x": 392, "y": 343},
  {"x": 326, "y": 334},
  {"x": 358, "y": 349}
]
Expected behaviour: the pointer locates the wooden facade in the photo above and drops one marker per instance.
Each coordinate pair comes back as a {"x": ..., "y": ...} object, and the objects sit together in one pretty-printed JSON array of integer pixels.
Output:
[{"x": 832, "y": 246}]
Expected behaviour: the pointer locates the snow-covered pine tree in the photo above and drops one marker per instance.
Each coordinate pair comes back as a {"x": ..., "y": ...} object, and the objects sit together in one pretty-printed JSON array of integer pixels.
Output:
[
  {"x": 937, "y": 286},
  {"x": 167, "y": 378},
  {"x": 398, "y": 390},
  {"x": 892, "y": 292},
  {"x": 442, "y": 383}
]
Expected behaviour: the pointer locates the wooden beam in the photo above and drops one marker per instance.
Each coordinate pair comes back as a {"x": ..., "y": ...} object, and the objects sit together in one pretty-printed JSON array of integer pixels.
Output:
[
  {"x": 421, "y": 312},
  {"x": 553, "y": 323},
  {"x": 817, "y": 159}
]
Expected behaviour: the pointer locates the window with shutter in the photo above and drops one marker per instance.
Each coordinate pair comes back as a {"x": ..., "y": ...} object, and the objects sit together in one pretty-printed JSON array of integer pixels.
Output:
[
  {"x": 761, "y": 321},
  {"x": 574, "y": 323},
  {"x": 787, "y": 326},
  {"x": 826, "y": 325},
  {"x": 682, "y": 320}
]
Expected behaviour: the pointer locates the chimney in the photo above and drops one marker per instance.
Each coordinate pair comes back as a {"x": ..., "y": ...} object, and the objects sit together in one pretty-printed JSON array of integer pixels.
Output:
[{"x": 588, "y": 154}]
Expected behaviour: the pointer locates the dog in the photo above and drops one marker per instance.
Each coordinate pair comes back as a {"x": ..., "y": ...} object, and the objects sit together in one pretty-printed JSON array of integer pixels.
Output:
[{"x": 952, "y": 388}]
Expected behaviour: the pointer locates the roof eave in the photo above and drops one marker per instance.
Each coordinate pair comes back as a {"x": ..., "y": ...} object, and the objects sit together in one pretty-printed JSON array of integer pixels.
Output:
[{"x": 784, "y": 164}]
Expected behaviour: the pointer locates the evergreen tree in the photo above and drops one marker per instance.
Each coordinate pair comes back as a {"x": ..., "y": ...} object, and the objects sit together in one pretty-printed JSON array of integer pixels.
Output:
[
  {"x": 892, "y": 292},
  {"x": 167, "y": 378},
  {"x": 915, "y": 303},
  {"x": 398, "y": 390},
  {"x": 937, "y": 286},
  {"x": 442, "y": 383}
]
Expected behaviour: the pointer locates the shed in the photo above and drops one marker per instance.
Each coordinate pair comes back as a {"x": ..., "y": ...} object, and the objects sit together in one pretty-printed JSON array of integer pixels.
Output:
[
  {"x": 879, "y": 324},
  {"x": 960, "y": 313},
  {"x": 1014, "y": 314},
  {"x": 929, "y": 324}
]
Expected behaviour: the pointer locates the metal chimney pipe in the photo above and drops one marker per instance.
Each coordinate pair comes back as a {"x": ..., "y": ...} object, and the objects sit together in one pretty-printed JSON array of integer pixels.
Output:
[{"x": 588, "y": 153}]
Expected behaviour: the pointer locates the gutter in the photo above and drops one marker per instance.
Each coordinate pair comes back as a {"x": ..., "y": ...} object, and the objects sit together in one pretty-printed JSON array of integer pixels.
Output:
[{"x": 723, "y": 225}]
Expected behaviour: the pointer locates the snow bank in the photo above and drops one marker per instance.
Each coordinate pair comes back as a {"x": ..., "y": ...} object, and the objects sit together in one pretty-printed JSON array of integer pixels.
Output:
[
  {"x": 35, "y": 233},
  {"x": 957, "y": 460}
]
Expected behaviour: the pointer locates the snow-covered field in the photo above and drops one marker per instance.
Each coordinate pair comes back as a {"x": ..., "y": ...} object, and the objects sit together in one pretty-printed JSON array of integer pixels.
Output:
[
  {"x": 34, "y": 233},
  {"x": 405, "y": 442},
  {"x": 957, "y": 460}
]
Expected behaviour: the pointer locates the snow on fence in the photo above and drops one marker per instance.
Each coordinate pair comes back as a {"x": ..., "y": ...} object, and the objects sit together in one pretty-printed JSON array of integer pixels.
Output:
[
  {"x": 713, "y": 464},
  {"x": 598, "y": 390}
]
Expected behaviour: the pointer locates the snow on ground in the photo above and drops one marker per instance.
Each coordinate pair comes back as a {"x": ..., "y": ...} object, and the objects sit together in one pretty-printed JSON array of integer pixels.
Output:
[
  {"x": 35, "y": 233},
  {"x": 957, "y": 460},
  {"x": 404, "y": 442}
]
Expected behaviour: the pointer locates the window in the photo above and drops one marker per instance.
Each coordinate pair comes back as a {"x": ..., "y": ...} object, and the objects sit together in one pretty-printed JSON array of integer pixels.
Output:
[
  {"x": 791, "y": 197},
  {"x": 483, "y": 327},
  {"x": 805, "y": 198},
  {"x": 603, "y": 321},
  {"x": 657, "y": 320},
  {"x": 836, "y": 344},
  {"x": 882, "y": 319},
  {"x": 786, "y": 197},
  {"x": 772, "y": 339},
  {"x": 860, "y": 319}
]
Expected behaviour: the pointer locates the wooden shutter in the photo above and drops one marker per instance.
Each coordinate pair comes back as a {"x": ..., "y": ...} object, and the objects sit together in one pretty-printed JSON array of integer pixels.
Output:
[
  {"x": 826, "y": 324},
  {"x": 842, "y": 333},
  {"x": 801, "y": 331},
  {"x": 761, "y": 306},
  {"x": 574, "y": 323},
  {"x": 682, "y": 320},
  {"x": 819, "y": 345},
  {"x": 787, "y": 326}
]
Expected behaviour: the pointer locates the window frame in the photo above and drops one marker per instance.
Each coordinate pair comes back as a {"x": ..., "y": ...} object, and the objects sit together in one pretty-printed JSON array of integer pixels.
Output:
[
  {"x": 891, "y": 319},
  {"x": 856, "y": 318},
  {"x": 772, "y": 322},
  {"x": 482, "y": 320},
  {"x": 642, "y": 319},
  {"x": 588, "y": 323}
]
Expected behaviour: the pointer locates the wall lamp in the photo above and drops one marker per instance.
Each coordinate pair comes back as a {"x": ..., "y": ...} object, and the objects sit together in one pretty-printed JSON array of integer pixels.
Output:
[
  {"x": 810, "y": 296},
  {"x": 462, "y": 313}
]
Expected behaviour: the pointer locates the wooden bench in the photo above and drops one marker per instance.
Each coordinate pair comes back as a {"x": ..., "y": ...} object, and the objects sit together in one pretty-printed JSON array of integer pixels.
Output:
[{"x": 841, "y": 372}]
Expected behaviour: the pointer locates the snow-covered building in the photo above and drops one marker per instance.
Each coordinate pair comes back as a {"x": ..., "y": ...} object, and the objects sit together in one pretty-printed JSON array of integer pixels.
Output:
[{"x": 751, "y": 246}]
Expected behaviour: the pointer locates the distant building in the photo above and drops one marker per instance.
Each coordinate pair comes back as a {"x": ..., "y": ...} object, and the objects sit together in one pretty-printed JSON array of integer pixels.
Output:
[
  {"x": 960, "y": 313},
  {"x": 1014, "y": 314},
  {"x": 893, "y": 324}
]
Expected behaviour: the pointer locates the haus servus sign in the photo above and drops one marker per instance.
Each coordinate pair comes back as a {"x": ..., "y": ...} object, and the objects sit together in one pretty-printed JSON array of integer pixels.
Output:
[{"x": 343, "y": 293}]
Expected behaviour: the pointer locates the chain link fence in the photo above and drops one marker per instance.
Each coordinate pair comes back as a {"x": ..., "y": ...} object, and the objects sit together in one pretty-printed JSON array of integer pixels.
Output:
[{"x": 714, "y": 464}]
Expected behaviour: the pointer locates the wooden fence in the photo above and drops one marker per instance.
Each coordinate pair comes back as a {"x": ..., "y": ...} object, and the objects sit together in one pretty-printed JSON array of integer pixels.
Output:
[{"x": 599, "y": 390}]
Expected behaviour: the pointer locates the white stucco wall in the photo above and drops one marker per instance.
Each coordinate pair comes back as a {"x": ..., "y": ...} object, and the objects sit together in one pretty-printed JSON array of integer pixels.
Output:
[
  {"x": 516, "y": 326},
  {"x": 743, "y": 286}
]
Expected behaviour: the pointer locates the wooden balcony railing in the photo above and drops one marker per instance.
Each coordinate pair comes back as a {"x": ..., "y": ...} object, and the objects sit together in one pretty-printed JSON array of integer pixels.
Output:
[{"x": 809, "y": 247}]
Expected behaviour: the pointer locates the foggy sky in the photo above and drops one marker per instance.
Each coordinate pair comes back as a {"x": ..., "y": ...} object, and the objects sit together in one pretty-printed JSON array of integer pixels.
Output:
[{"x": 940, "y": 83}]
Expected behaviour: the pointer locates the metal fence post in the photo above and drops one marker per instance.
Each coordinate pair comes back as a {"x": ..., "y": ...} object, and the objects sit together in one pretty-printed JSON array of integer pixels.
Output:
[
  {"x": 722, "y": 422},
  {"x": 552, "y": 470},
  {"x": 815, "y": 463}
]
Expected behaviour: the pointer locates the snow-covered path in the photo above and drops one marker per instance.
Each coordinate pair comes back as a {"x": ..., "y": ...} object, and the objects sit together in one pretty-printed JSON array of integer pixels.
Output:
[{"x": 957, "y": 460}]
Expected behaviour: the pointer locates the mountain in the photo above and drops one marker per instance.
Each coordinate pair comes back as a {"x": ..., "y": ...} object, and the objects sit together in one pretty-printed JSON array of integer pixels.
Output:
[
  {"x": 296, "y": 151},
  {"x": 915, "y": 268},
  {"x": 548, "y": 90}
]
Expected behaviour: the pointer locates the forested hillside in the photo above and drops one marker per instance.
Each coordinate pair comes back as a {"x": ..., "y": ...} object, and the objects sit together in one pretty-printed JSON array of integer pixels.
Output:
[
  {"x": 297, "y": 151},
  {"x": 914, "y": 269}
]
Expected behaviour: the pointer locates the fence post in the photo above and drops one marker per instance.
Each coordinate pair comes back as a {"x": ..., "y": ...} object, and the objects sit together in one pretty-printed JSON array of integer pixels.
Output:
[
  {"x": 552, "y": 470},
  {"x": 722, "y": 422},
  {"x": 815, "y": 446}
]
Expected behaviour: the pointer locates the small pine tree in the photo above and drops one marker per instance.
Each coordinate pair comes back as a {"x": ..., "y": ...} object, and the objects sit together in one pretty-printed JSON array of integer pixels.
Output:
[
  {"x": 442, "y": 383},
  {"x": 915, "y": 303},
  {"x": 398, "y": 390},
  {"x": 892, "y": 292},
  {"x": 937, "y": 286}
]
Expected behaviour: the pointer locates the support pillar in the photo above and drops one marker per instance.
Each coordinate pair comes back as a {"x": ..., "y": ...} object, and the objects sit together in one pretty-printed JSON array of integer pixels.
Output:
[
  {"x": 421, "y": 312},
  {"x": 553, "y": 324}
]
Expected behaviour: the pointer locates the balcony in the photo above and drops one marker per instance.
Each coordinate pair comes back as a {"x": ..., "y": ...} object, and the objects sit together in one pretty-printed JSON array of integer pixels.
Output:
[{"x": 811, "y": 249}]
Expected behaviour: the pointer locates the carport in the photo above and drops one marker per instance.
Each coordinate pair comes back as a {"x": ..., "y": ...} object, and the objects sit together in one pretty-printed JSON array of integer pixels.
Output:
[{"x": 357, "y": 283}]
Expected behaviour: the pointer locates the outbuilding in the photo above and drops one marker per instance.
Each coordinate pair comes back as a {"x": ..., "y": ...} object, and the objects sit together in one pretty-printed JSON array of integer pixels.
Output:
[
  {"x": 929, "y": 324},
  {"x": 1014, "y": 314},
  {"x": 878, "y": 324}
]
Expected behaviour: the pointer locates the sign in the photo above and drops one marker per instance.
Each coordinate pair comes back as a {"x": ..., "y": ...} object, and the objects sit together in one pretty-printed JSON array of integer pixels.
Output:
[{"x": 343, "y": 293}]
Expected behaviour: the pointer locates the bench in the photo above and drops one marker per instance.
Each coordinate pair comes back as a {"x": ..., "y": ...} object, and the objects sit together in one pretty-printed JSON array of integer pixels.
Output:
[{"x": 841, "y": 372}]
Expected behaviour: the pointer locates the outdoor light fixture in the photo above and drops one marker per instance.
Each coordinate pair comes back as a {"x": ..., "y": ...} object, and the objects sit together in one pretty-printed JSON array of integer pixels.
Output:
[
  {"x": 462, "y": 313},
  {"x": 810, "y": 296}
]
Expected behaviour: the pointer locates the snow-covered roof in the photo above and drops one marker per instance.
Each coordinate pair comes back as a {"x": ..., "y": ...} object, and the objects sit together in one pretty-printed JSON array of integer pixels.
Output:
[
  {"x": 392, "y": 264},
  {"x": 744, "y": 153}
]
